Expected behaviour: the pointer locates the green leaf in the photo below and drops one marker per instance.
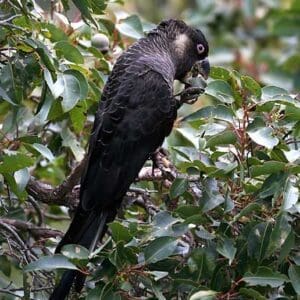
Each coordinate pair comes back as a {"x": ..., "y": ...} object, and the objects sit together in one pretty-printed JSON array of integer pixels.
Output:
[
  {"x": 258, "y": 240},
  {"x": 5, "y": 97},
  {"x": 119, "y": 232},
  {"x": 219, "y": 112},
  {"x": 17, "y": 190},
  {"x": 251, "y": 85},
  {"x": 75, "y": 88},
  {"x": 269, "y": 92},
  {"x": 273, "y": 185},
  {"x": 12, "y": 162},
  {"x": 211, "y": 197},
  {"x": 264, "y": 277},
  {"x": 160, "y": 249},
  {"x": 268, "y": 167},
  {"x": 71, "y": 85},
  {"x": 70, "y": 141},
  {"x": 202, "y": 233},
  {"x": 75, "y": 252},
  {"x": 294, "y": 275},
  {"x": 287, "y": 246},
  {"x": 104, "y": 292},
  {"x": 227, "y": 249},
  {"x": 279, "y": 233},
  {"x": 251, "y": 293},
  {"x": 6, "y": 265},
  {"x": 131, "y": 27},
  {"x": 202, "y": 263},
  {"x": 69, "y": 52},
  {"x": 186, "y": 153},
  {"x": 221, "y": 90},
  {"x": 165, "y": 225},
  {"x": 290, "y": 195},
  {"x": 122, "y": 256},
  {"x": 56, "y": 261},
  {"x": 83, "y": 6},
  {"x": 78, "y": 116},
  {"x": 186, "y": 211},
  {"x": 247, "y": 210},
  {"x": 219, "y": 73},
  {"x": 204, "y": 295},
  {"x": 43, "y": 53},
  {"x": 179, "y": 186},
  {"x": 163, "y": 218},
  {"x": 277, "y": 95},
  {"x": 263, "y": 136},
  {"x": 22, "y": 177},
  {"x": 44, "y": 150},
  {"x": 287, "y": 24},
  {"x": 224, "y": 138},
  {"x": 189, "y": 135},
  {"x": 54, "y": 33}
]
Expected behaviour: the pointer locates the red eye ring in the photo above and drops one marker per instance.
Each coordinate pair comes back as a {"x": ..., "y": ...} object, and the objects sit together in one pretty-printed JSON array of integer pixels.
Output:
[{"x": 200, "y": 48}]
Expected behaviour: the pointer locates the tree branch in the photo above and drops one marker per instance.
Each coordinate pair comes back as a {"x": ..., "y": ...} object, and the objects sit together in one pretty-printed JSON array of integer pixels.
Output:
[
  {"x": 67, "y": 193},
  {"x": 35, "y": 231}
]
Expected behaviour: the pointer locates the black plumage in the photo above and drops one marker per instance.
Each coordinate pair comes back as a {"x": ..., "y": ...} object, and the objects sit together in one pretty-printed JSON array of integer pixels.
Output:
[{"x": 136, "y": 113}]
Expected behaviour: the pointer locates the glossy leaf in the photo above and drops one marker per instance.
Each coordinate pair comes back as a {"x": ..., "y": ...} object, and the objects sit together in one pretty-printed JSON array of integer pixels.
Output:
[
  {"x": 251, "y": 85},
  {"x": 160, "y": 249},
  {"x": 221, "y": 90},
  {"x": 56, "y": 261},
  {"x": 294, "y": 275},
  {"x": 131, "y": 26},
  {"x": 204, "y": 295},
  {"x": 120, "y": 232},
  {"x": 264, "y": 136},
  {"x": 227, "y": 249},
  {"x": 265, "y": 277},
  {"x": 15, "y": 161},
  {"x": 69, "y": 52},
  {"x": 45, "y": 151},
  {"x": 179, "y": 186},
  {"x": 258, "y": 241},
  {"x": 219, "y": 73},
  {"x": 211, "y": 196}
]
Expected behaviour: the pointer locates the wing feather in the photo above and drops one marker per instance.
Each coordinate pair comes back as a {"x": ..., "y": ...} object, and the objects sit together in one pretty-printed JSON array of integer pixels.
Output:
[{"x": 129, "y": 127}]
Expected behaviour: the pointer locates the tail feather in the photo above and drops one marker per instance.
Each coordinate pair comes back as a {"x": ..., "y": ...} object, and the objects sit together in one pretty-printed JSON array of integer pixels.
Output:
[
  {"x": 83, "y": 225},
  {"x": 85, "y": 230},
  {"x": 62, "y": 290}
]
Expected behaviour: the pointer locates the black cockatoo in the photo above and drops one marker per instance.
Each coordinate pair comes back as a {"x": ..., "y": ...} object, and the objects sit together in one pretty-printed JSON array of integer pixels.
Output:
[{"x": 135, "y": 114}]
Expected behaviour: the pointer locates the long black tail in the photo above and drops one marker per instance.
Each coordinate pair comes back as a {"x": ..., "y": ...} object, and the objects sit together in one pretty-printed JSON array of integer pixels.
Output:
[{"x": 85, "y": 230}]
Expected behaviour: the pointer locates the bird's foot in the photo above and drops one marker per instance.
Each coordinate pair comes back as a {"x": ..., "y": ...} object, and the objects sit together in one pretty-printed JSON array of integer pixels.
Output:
[
  {"x": 189, "y": 95},
  {"x": 161, "y": 161}
]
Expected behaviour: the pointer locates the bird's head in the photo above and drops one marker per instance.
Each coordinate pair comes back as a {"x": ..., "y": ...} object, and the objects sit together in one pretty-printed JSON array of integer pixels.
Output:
[{"x": 188, "y": 46}]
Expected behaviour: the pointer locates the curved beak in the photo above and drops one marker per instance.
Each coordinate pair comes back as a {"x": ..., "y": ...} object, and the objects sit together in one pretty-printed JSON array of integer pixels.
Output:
[{"x": 202, "y": 67}]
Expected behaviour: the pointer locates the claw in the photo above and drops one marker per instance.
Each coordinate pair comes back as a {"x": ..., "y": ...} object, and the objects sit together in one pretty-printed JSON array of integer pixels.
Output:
[{"x": 190, "y": 95}]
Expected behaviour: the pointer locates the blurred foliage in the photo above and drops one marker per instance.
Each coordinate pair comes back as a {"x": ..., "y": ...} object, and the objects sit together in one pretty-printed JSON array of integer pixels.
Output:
[
  {"x": 257, "y": 37},
  {"x": 228, "y": 228}
]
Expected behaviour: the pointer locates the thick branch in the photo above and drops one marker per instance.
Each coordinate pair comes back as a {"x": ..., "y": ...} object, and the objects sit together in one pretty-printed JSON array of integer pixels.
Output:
[{"x": 67, "y": 193}]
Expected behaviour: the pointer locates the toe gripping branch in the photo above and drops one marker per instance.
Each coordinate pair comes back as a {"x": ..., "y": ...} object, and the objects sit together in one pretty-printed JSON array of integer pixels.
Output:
[{"x": 189, "y": 95}]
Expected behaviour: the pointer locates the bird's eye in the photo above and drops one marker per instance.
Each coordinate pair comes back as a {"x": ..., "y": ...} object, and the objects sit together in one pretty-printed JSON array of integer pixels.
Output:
[{"x": 200, "y": 48}]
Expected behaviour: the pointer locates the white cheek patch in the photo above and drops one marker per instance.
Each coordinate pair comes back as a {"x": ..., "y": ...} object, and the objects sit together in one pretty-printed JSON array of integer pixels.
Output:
[{"x": 180, "y": 44}]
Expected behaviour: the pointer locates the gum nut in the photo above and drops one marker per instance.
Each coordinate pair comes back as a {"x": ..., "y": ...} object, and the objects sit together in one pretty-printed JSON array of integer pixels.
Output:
[{"x": 100, "y": 41}]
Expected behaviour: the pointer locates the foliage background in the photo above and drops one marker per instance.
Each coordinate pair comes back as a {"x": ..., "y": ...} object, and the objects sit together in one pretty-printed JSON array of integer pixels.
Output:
[{"x": 227, "y": 226}]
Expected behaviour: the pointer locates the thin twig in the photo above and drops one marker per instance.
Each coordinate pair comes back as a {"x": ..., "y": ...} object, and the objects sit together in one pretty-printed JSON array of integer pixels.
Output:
[
  {"x": 10, "y": 18},
  {"x": 17, "y": 238},
  {"x": 37, "y": 209},
  {"x": 8, "y": 292},
  {"x": 36, "y": 231}
]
